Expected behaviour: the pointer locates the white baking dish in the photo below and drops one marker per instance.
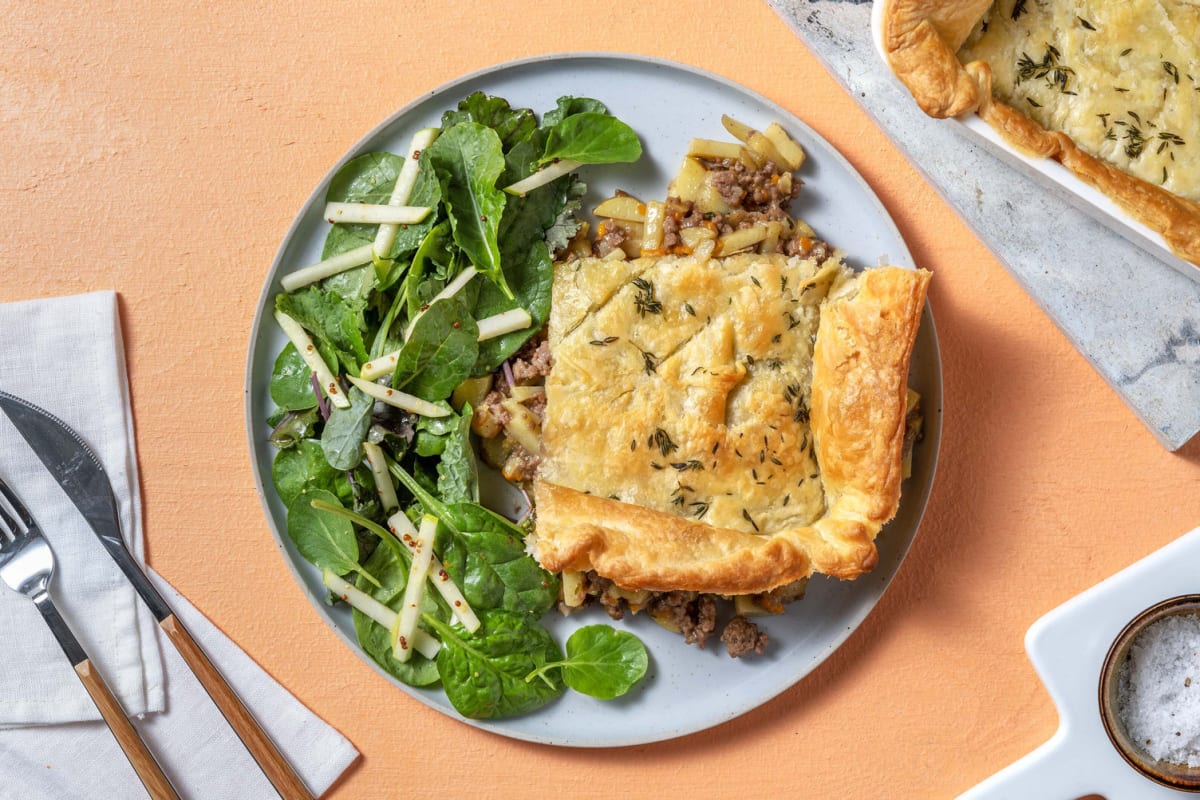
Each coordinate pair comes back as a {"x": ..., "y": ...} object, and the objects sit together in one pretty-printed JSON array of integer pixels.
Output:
[{"x": 1054, "y": 175}]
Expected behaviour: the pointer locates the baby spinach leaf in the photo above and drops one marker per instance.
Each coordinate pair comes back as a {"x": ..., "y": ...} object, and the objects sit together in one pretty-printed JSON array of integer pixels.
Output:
[
  {"x": 331, "y": 319},
  {"x": 304, "y": 468},
  {"x": 592, "y": 138},
  {"x": 368, "y": 178},
  {"x": 345, "y": 431},
  {"x": 531, "y": 279},
  {"x": 468, "y": 158},
  {"x": 432, "y": 432},
  {"x": 568, "y": 106},
  {"x": 291, "y": 381},
  {"x": 458, "y": 476},
  {"x": 392, "y": 572},
  {"x": 601, "y": 661},
  {"x": 528, "y": 269},
  {"x": 292, "y": 427},
  {"x": 484, "y": 673},
  {"x": 439, "y": 353},
  {"x": 325, "y": 540},
  {"x": 487, "y": 558},
  {"x": 511, "y": 124}
]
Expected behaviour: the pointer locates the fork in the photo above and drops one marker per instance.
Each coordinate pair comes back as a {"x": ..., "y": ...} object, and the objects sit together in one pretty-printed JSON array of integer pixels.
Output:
[{"x": 27, "y": 566}]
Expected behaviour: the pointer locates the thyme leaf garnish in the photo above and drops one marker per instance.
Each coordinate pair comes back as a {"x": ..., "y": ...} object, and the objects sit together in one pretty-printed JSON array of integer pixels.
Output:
[
  {"x": 1048, "y": 69},
  {"x": 644, "y": 299},
  {"x": 661, "y": 441},
  {"x": 604, "y": 341}
]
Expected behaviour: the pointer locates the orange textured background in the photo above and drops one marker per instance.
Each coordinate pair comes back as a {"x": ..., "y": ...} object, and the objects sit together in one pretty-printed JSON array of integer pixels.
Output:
[{"x": 161, "y": 149}]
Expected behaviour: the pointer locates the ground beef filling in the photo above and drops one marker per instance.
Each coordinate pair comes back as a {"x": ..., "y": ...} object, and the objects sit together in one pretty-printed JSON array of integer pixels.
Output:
[
  {"x": 693, "y": 615},
  {"x": 529, "y": 367},
  {"x": 755, "y": 195}
]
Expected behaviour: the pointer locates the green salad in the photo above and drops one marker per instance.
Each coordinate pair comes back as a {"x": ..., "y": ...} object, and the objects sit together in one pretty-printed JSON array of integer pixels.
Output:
[{"x": 437, "y": 268}]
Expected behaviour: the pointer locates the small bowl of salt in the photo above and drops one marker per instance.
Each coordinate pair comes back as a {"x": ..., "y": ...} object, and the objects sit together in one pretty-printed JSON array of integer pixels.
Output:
[{"x": 1150, "y": 693}]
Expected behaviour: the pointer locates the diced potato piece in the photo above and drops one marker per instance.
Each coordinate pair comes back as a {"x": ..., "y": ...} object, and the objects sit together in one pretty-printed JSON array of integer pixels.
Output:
[
  {"x": 636, "y": 598},
  {"x": 756, "y": 605},
  {"x": 771, "y": 243},
  {"x": 692, "y": 237},
  {"x": 496, "y": 450},
  {"x": 704, "y": 250},
  {"x": 764, "y": 147},
  {"x": 523, "y": 394},
  {"x": 789, "y": 150},
  {"x": 572, "y": 588},
  {"x": 484, "y": 423},
  {"x": 714, "y": 150},
  {"x": 523, "y": 427},
  {"x": 652, "y": 235},
  {"x": 739, "y": 129},
  {"x": 580, "y": 245},
  {"x": 623, "y": 207},
  {"x": 689, "y": 182},
  {"x": 472, "y": 391},
  {"x": 785, "y": 183},
  {"x": 740, "y": 240},
  {"x": 711, "y": 201}
]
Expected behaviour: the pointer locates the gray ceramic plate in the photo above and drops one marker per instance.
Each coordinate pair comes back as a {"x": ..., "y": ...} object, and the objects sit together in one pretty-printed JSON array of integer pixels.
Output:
[{"x": 686, "y": 689}]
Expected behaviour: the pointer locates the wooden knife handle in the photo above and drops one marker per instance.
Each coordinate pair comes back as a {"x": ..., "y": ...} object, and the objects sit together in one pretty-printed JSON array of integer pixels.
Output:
[
  {"x": 273, "y": 764},
  {"x": 139, "y": 755}
]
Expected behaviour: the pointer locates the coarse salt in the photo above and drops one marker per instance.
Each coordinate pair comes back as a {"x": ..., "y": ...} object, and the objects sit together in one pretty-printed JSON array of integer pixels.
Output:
[{"x": 1158, "y": 693}]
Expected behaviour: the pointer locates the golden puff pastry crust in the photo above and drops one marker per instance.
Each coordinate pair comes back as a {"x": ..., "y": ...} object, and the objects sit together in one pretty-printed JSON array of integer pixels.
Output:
[
  {"x": 953, "y": 66},
  {"x": 723, "y": 425}
]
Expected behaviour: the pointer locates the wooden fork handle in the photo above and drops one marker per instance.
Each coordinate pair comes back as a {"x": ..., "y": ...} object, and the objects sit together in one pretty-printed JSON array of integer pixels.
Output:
[
  {"x": 139, "y": 755},
  {"x": 274, "y": 765}
]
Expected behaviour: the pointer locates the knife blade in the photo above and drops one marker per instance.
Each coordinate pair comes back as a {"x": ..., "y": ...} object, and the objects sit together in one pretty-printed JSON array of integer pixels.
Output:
[{"x": 82, "y": 476}]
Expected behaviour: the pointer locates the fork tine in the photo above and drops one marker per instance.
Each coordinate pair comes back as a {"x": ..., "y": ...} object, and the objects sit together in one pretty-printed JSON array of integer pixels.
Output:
[
  {"x": 8, "y": 527},
  {"x": 18, "y": 507}
]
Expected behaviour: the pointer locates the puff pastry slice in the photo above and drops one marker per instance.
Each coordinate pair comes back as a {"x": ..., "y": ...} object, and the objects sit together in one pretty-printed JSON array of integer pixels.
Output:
[{"x": 723, "y": 425}]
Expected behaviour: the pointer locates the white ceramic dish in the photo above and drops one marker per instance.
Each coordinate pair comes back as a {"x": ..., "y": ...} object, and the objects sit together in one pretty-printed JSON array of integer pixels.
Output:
[
  {"x": 1056, "y": 177},
  {"x": 686, "y": 689},
  {"x": 1067, "y": 648}
]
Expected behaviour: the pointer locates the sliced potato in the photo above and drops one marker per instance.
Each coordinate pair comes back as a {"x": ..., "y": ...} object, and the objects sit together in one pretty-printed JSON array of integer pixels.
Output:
[
  {"x": 523, "y": 427},
  {"x": 770, "y": 244},
  {"x": 689, "y": 182},
  {"x": 714, "y": 150},
  {"x": 760, "y": 144},
  {"x": 692, "y": 237},
  {"x": 740, "y": 240},
  {"x": 652, "y": 235},
  {"x": 572, "y": 588},
  {"x": 756, "y": 605},
  {"x": 789, "y": 150},
  {"x": 472, "y": 391},
  {"x": 623, "y": 207},
  {"x": 739, "y": 129}
]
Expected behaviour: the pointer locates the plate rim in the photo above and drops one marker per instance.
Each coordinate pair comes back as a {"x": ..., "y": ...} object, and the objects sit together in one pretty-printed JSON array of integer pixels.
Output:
[{"x": 932, "y": 433}]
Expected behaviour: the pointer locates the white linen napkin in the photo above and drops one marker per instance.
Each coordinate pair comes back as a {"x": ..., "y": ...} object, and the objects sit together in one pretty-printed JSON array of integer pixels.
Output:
[
  {"x": 66, "y": 355},
  {"x": 195, "y": 746}
]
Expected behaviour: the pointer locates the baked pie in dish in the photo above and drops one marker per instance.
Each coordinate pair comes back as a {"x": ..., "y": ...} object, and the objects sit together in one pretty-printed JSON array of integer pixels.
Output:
[{"x": 1109, "y": 90}]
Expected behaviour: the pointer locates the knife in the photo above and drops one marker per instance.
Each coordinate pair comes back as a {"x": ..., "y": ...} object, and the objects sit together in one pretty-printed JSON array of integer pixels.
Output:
[{"x": 82, "y": 477}]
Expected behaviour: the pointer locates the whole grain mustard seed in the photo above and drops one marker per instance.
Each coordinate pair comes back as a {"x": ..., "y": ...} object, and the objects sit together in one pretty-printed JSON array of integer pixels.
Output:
[{"x": 1156, "y": 699}]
